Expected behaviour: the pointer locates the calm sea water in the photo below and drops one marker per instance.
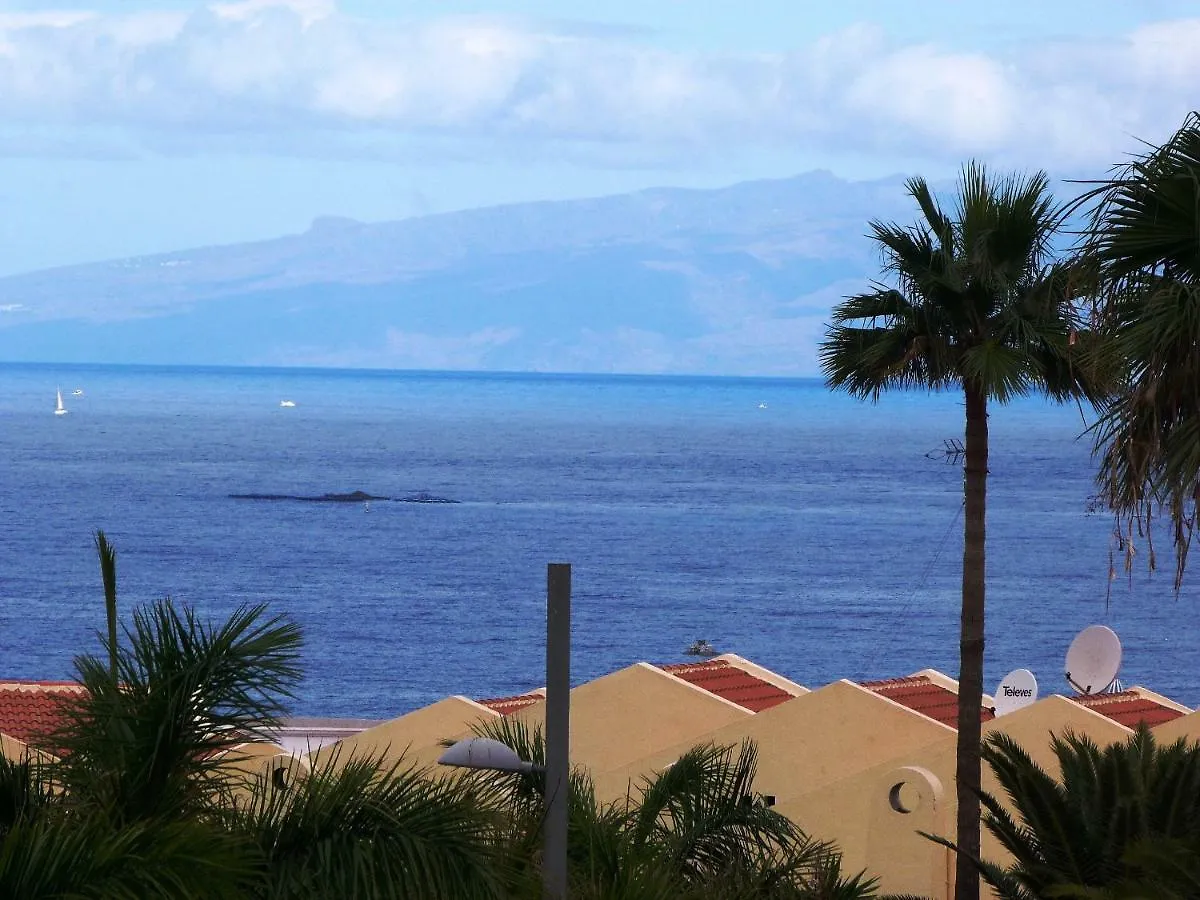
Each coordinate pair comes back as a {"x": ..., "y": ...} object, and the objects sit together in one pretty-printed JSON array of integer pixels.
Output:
[{"x": 813, "y": 536}]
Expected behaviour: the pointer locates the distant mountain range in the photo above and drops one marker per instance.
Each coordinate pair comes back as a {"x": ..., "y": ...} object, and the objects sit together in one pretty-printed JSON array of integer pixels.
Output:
[{"x": 731, "y": 281}]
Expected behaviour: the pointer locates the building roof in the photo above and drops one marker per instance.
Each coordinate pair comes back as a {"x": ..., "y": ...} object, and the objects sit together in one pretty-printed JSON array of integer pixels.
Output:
[
  {"x": 416, "y": 738},
  {"x": 922, "y": 694},
  {"x": 730, "y": 682},
  {"x": 1130, "y": 708},
  {"x": 31, "y": 710},
  {"x": 506, "y": 706},
  {"x": 634, "y": 712}
]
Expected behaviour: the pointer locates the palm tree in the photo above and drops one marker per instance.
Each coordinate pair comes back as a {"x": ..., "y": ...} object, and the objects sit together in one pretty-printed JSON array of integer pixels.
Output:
[
  {"x": 156, "y": 742},
  {"x": 1122, "y": 816},
  {"x": 977, "y": 304},
  {"x": 1143, "y": 242}
]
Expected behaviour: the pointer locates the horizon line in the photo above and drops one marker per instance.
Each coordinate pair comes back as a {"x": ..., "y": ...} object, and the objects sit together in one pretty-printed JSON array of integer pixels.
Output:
[{"x": 380, "y": 371}]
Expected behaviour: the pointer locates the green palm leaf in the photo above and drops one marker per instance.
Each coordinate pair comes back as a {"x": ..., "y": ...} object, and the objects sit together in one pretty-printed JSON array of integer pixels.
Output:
[
  {"x": 1144, "y": 243},
  {"x": 156, "y": 743},
  {"x": 92, "y": 858},
  {"x": 358, "y": 828}
]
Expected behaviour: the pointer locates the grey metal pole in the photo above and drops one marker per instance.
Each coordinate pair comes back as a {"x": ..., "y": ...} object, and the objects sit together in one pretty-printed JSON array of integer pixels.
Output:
[{"x": 558, "y": 729}]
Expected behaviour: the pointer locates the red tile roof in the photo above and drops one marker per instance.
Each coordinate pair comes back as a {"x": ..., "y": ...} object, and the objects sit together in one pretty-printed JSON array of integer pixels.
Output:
[
  {"x": 921, "y": 694},
  {"x": 1129, "y": 708},
  {"x": 718, "y": 677},
  {"x": 506, "y": 706},
  {"x": 31, "y": 710}
]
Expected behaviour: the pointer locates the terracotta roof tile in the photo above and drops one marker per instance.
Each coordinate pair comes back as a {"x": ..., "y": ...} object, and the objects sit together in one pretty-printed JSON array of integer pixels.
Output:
[
  {"x": 31, "y": 710},
  {"x": 506, "y": 706},
  {"x": 730, "y": 683},
  {"x": 920, "y": 694},
  {"x": 1129, "y": 708}
]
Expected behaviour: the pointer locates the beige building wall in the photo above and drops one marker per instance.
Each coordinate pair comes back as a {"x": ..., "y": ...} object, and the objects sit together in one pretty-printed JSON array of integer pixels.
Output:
[
  {"x": 15, "y": 750},
  {"x": 850, "y": 766},
  {"x": 806, "y": 742},
  {"x": 1186, "y": 727},
  {"x": 876, "y": 815},
  {"x": 416, "y": 736},
  {"x": 633, "y": 712},
  {"x": 12, "y": 749}
]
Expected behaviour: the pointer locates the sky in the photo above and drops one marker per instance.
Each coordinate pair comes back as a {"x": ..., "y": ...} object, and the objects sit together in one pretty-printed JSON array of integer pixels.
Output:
[{"x": 145, "y": 126}]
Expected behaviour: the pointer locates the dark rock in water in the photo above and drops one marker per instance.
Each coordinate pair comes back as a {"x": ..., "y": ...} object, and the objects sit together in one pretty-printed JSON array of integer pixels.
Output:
[
  {"x": 424, "y": 497},
  {"x": 353, "y": 497}
]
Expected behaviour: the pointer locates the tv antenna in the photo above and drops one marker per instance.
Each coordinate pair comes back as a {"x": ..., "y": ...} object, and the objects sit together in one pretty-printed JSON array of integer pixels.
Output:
[
  {"x": 952, "y": 451},
  {"x": 1093, "y": 660},
  {"x": 1016, "y": 689}
]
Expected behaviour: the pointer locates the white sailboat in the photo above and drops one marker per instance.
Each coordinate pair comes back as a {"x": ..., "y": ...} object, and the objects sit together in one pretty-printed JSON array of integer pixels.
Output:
[{"x": 59, "y": 409}]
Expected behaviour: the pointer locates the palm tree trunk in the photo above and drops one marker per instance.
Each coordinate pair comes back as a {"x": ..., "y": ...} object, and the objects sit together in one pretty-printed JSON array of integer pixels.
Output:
[{"x": 970, "y": 674}]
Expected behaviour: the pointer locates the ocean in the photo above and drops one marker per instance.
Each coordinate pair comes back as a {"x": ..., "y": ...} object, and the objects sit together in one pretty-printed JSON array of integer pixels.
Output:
[{"x": 802, "y": 529}]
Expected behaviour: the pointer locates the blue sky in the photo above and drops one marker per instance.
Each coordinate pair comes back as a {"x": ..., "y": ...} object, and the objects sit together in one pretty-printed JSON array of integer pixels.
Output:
[{"x": 137, "y": 127}]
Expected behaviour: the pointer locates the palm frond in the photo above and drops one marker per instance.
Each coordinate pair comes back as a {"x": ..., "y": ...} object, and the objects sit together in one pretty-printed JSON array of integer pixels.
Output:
[
  {"x": 27, "y": 791},
  {"x": 702, "y": 814},
  {"x": 158, "y": 742},
  {"x": 91, "y": 857},
  {"x": 1143, "y": 240},
  {"x": 359, "y": 828},
  {"x": 1087, "y": 831}
]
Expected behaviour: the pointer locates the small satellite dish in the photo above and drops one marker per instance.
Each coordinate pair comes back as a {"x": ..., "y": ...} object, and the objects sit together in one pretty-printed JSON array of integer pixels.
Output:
[
  {"x": 1016, "y": 689},
  {"x": 1093, "y": 659}
]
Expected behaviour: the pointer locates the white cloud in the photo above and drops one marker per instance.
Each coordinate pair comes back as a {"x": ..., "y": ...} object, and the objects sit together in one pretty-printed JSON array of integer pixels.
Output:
[{"x": 301, "y": 69}]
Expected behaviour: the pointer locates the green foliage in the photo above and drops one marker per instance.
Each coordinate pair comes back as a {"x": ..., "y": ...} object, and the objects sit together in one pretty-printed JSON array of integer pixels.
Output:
[
  {"x": 155, "y": 743},
  {"x": 358, "y": 828},
  {"x": 61, "y": 856},
  {"x": 26, "y": 790},
  {"x": 975, "y": 295},
  {"x": 1142, "y": 242},
  {"x": 108, "y": 574},
  {"x": 1119, "y": 819}
]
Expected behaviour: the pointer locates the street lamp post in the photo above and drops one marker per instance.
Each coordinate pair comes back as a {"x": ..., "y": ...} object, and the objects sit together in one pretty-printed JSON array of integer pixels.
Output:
[
  {"x": 558, "y": 729},
  {"x": 485, "y": 753}
]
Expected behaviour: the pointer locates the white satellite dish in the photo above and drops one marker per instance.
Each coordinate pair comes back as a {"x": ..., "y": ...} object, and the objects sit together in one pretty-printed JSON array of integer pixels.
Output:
[
  {"x": 1016, "y": 689},
  {"x": 1094, "y": 659}
]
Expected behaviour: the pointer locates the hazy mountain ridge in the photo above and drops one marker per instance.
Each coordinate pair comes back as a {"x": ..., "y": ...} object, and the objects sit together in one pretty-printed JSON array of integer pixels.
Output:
[{"x": 658, "y": 280}]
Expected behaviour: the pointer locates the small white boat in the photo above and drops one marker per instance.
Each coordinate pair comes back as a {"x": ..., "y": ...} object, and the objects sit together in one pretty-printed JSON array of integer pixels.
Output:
[
  {"x": 287, "y": 403},
  {"x": 78, "y": 392},
  {"x": 59, "y": 409},
  {"x": 762, "y": 406}
]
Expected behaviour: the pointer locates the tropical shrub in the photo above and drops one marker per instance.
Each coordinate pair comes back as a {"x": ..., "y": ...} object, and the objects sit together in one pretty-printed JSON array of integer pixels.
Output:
[{"x": 1119, "y": 818}]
